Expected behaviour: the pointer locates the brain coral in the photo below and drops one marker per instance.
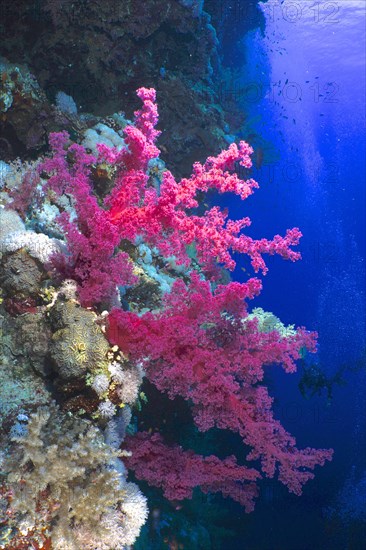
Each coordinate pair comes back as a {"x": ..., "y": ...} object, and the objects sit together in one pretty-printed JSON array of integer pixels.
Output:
[{"x": 78, "y": 344}]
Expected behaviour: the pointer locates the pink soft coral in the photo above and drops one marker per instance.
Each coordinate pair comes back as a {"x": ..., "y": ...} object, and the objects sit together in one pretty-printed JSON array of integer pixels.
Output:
[
  {"x": 135, "y": 208},
  {"x": 163, "y": 217},
  {"x": 203, "y": 347},
  {"x": 93, "y": 259},
  {"x": 178, "y": 472}
]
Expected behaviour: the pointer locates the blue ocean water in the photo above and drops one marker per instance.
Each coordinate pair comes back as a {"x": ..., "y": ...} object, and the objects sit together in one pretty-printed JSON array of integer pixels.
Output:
[{"x": 304, "y": 88}]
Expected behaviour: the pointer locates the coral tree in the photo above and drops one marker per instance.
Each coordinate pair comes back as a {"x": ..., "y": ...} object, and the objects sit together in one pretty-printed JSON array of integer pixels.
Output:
[
  {"x": 163, "y": 217},
  {"x": 203, "y": 345}
]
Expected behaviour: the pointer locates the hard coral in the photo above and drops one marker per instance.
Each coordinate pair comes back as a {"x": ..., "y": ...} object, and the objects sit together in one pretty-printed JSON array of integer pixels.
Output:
[
  {"x": 78, "y": 346},
  {"x": 21, "y": 274},
  {"x": 26, "y": 114},
  {"x": 96, "y": 51},
  {"x": 38, "y": 245},
  {"x": 32, "y": 339}
]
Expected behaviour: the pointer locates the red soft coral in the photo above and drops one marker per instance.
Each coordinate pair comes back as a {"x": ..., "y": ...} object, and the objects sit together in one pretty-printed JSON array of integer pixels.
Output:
[
  {"x": 178, "y": 472},
  {"x": 203, "y": 348},
  {"x": 92, "y": 240},
  {"x": 135, "y": 208},
  {"x": 163, "y": 217}
]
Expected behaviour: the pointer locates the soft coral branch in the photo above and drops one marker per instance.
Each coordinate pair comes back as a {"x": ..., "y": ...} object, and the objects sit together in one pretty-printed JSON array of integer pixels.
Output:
[
  {"x": 178, "y": 472},
  {"x": 164, "y": 219},
  {"x": 203, "y": 348},
  {"x": 92, "y": 258},
  {"x": 135, "y": 208}
]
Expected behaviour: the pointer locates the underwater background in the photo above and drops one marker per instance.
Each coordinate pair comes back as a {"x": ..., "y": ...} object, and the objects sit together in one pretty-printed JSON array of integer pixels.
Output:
[
  {"x": 304, "y": 87},
  {"x": 288, "y": 77}
]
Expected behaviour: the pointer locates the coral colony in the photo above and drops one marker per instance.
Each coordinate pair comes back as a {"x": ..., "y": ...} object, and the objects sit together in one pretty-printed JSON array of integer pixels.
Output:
[{"x": 119, "y": 286}]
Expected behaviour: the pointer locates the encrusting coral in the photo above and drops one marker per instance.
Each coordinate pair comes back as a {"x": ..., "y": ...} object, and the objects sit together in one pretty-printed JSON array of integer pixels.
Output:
[{"x": 21, "y": 274}]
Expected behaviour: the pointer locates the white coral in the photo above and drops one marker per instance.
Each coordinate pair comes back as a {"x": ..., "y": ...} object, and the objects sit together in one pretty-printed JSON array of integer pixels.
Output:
[
  {"x": 101, "y": 133},
  {"x": 39, "y": 246},
  {"x": 121, "y": 527},
  {"x": 68, "y": 289},
  {"x": 116, "y": 371},
  {"x": 145, "y": 255},
  {"x": 106, "y": 409},
  {"x": 10, "y": 222},
  {"x": 100, "y": 384},
  {"x": 268, "y": 322},
  {"x": 119, "y": 532},
  {"x": 135, "y": 507},
  {"x": 115, "y": 430},
  {"x": 131, "y": 382}
]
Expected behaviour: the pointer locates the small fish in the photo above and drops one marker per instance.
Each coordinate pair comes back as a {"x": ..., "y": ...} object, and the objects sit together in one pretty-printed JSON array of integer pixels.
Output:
[
  {"x": 259, "y": 156},
  {"x": 286, "y": 81},
  {"x": 294, "y": 121}
]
